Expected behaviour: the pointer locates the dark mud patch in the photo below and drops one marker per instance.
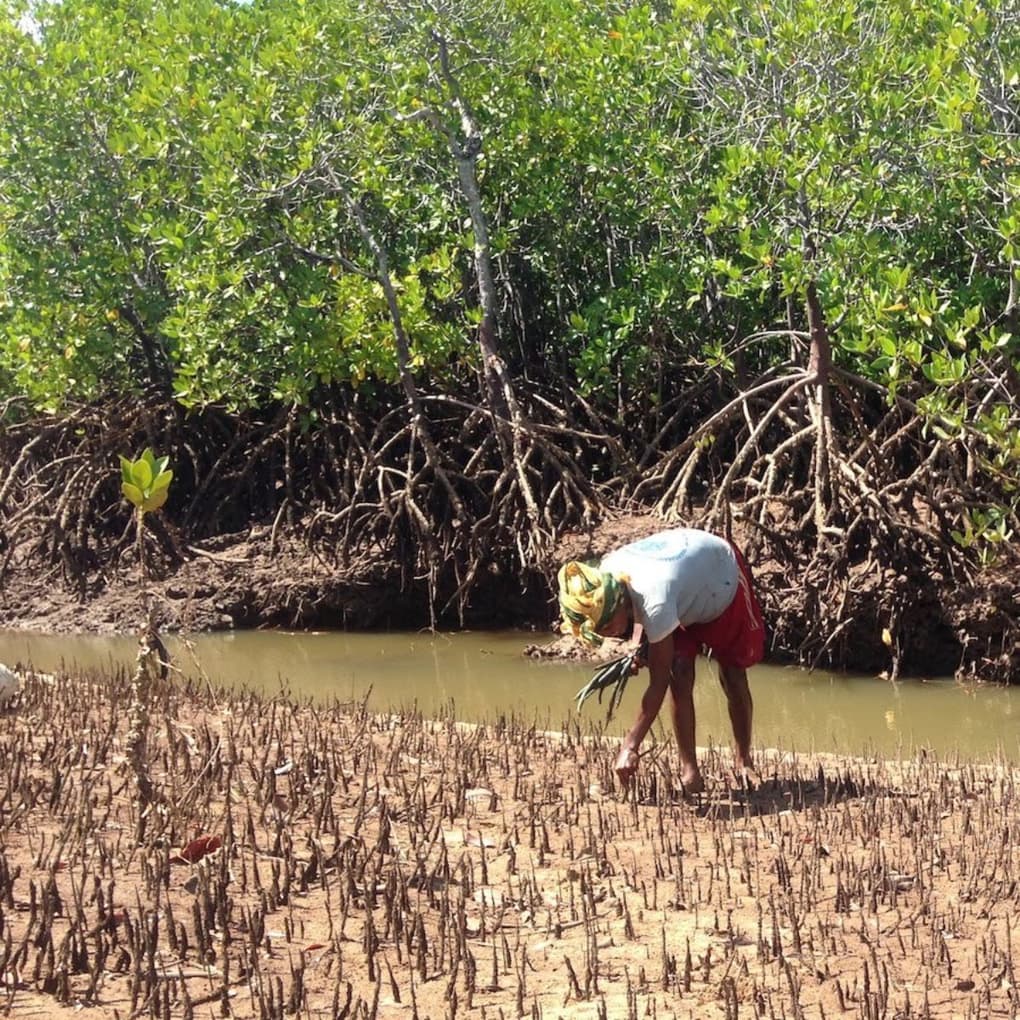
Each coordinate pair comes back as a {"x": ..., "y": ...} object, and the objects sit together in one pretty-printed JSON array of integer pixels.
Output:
[{"x": 251, "y": 580}]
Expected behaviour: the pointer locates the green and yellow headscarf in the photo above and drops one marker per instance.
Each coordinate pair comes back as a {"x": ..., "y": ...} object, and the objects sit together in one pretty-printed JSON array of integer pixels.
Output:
[{"x": 588, "y": 598}]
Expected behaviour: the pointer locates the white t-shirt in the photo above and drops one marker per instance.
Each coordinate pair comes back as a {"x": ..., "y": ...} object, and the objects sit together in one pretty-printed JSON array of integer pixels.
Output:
[{"x": 677, "y": 578}]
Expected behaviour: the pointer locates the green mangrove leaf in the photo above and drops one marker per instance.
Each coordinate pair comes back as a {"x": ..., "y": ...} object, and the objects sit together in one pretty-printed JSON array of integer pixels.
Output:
[
  {"x": 163, "y": 479},
  {"x": 132, "y": 493},
  {"x": 141, "y": 473},
  {"x": 155, "y": 500}
]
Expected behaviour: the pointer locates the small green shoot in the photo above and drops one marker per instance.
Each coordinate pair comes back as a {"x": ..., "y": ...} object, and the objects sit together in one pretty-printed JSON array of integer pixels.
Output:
[{"x": 145, "y": 482}]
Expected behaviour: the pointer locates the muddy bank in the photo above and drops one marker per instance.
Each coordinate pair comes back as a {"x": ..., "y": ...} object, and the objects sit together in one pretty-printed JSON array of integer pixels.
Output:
[
  {"x": 252, "y": 580},
  {"x": 936, "y": 626},
  {"x": 295, "y": 861}
]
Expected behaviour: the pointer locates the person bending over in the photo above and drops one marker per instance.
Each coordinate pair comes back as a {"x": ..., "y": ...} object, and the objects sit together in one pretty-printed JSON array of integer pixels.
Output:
[{"x": 687, "y": 591}]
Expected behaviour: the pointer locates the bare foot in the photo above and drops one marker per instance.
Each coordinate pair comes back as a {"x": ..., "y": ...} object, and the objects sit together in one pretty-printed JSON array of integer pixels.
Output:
[
  {"x": 748, "y": 777},
  {"x": 690, "y": 779}
]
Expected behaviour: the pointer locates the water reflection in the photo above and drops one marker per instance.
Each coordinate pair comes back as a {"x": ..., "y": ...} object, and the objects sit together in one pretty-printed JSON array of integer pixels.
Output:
[{"x": 483, "y": 676}]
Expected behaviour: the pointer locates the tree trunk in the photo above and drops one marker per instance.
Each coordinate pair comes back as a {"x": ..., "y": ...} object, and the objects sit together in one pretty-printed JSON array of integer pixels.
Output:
[
  {"x": 819, "y": 406},
  {"x": 493, "y": 367},
  {"x": 466, "y": 150}
]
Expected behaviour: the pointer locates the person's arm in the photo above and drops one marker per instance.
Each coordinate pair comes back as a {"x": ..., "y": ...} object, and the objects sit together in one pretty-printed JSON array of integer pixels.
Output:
[{"x": 660, "y": 666}]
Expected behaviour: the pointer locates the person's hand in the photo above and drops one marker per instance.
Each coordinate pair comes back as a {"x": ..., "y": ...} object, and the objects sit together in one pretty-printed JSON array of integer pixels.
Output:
[
  {"x": 638, "y": 648},
  {"x": 626, "y": 765}
]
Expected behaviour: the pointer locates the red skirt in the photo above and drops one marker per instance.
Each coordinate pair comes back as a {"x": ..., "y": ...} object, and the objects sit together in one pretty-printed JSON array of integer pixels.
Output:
[{"x": 737, "y": 637}]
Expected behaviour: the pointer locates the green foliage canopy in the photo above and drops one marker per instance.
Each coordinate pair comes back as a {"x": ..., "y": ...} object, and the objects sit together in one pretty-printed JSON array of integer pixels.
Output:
[{"x": 662, "y": 179}]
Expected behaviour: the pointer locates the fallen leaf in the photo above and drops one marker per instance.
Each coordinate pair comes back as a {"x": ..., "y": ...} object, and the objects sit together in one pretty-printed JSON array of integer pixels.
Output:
[{"x": 197, "y": 849}]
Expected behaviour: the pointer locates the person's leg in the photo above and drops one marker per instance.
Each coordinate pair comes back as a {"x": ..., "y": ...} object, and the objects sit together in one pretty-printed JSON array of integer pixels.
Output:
[
  {"x": 681, "y": 689},
  {"x": 741, "y": 709}
]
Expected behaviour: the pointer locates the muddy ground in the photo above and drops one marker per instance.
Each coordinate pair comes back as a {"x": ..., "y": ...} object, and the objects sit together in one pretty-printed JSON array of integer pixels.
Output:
[
  {"x": 319, "y": 862},
  {"x": 200, "y": 853}
]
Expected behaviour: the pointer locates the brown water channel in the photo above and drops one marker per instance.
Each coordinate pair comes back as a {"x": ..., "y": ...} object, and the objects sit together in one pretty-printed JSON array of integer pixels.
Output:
[{"x": 481, "y": 676}]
